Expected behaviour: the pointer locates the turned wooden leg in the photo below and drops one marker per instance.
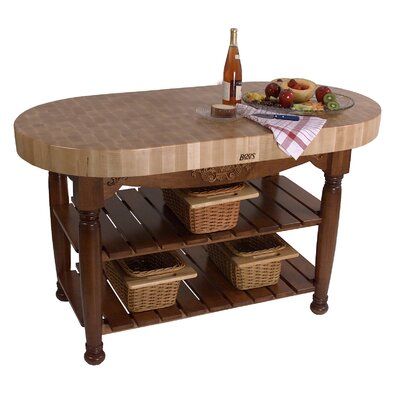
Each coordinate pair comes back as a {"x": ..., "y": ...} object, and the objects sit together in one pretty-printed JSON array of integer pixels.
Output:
[
  {"x": 89, "y": 198},
  {"x": 58, "y": 195},
  {"x": 327, "y": 232}
]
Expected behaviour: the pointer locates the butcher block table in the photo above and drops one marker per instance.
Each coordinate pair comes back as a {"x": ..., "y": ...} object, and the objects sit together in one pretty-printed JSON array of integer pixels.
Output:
[{"x": 156, "y": 140}]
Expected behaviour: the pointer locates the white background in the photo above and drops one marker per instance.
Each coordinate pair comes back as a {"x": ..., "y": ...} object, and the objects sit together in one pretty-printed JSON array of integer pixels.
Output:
[{"x": 58, "y": 49}]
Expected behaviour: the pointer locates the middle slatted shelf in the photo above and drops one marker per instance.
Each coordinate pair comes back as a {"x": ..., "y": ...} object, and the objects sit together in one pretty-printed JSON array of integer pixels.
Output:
[{"x": 137, "y": 222}]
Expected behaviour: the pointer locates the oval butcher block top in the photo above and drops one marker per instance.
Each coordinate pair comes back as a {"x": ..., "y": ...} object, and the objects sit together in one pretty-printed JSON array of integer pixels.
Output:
[{"x": 155, "y": 132}]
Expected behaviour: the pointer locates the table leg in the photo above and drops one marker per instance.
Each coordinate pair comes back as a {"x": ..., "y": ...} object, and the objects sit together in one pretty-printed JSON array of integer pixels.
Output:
[
  {"x": 58, "y": 195},
  {"x": 326, "y": 243},
  {"x": 89, "y": 199},
  {"x": 338, "y": 164}
]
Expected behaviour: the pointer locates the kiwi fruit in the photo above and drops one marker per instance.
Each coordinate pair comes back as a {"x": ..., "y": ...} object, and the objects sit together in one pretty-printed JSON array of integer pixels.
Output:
[
  {"x": 328, "y": 98},
  {"x": 332, "y": 105}
]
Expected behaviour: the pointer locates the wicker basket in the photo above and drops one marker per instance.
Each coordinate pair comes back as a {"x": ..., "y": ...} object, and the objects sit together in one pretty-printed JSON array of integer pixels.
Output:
[
  {"x": 252, "y": 262},
  {"x": 148, "y": 282},
  {"x": 210, "y": 209}
]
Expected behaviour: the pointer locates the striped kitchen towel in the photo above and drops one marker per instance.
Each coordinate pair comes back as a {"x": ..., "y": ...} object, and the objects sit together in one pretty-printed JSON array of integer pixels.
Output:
[{"x": 293, "y": 137}]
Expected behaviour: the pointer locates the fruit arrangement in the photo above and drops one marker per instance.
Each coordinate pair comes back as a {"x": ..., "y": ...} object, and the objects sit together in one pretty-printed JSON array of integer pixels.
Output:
[
  {"x": 295, "y": 94},
  {"x": 302, "y": 89}
]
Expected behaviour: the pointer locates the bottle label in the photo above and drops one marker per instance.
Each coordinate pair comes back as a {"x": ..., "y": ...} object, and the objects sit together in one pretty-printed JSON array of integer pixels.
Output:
[
  {"x": 226, "y": 90},
  {"x": 237, "y": 57},
  {"x": 232, "y": 90},
  {"x": 238, "y": 91}
]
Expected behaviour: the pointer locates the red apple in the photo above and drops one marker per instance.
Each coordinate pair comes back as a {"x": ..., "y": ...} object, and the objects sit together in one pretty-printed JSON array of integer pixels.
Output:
[
  {"x": 321, "y": 92},
  {"x": 286, "y": 98},
  {"x": 272, "y": 89}
]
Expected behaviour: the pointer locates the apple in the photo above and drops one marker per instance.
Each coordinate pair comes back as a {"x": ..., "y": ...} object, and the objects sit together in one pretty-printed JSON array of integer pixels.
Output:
[
  {"x": 286, "y": 98},
  {"x": 321, "y": 92},
  {"x": 272, "y": 89}
]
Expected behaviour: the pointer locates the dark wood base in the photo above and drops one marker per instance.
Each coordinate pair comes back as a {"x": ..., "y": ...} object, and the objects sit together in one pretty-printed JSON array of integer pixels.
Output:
[
  {"x": 60, "y": 294},
  {"x": 94, "y": 355},
  {"x": 282, "y": 205},
  {"x": 318, "y": 306},
  {"x": 137, "y": 222}
]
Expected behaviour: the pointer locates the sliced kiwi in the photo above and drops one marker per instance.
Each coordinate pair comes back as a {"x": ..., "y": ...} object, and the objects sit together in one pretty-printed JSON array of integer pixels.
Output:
[
  {"x": 333, "y": 105},
  {"x": 328, "y": 98}
]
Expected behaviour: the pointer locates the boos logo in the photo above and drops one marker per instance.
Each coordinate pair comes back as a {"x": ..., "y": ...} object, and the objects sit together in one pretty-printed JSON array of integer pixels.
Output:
[{"x": 247, "y": 156}]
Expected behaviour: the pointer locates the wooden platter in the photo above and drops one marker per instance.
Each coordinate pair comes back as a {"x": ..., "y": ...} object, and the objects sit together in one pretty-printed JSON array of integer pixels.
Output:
[{"x": 155, "y": 132}]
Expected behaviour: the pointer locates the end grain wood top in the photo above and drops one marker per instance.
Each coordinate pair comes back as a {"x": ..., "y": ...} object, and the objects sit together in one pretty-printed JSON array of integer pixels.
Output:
[{"x": 154, "y": 132}]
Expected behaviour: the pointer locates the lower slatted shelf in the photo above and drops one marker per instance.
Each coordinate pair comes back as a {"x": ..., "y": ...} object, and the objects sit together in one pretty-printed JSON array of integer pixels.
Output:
[
  {"x": 209, "y": 292},
  {"x": 136, "y": 222}
]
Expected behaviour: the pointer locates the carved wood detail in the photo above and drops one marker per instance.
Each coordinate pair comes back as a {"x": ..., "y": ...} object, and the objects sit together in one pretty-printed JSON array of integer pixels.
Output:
[
  {"x": 213, "y": 176},
  {"x": 115, "y": 181},
  {"x": 112, "y": 185},
  {"x": 220, "y": 174}
]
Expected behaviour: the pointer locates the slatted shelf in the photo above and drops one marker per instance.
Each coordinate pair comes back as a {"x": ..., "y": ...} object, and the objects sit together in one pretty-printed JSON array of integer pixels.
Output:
[
  {"x": 136, "y": 222},
  {"x": 210, "y": 291}
]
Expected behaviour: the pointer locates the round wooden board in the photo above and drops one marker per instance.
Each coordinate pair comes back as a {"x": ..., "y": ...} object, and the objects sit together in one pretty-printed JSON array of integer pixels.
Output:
[{"x": 155, "y": 132}]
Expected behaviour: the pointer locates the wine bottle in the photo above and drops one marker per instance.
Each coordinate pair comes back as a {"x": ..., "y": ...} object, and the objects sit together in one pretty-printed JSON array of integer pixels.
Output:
[{"x": 232, "y": 84}]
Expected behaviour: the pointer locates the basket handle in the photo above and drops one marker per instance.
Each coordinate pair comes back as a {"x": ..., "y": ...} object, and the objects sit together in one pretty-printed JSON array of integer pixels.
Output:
[
  {"x": 284, "y": 254},
  {"x": 223, "y": 191},
  {"x": 216, "y": 196},
  {"x": 185, "y": 273},
  {"x": 265, "y": 255}
]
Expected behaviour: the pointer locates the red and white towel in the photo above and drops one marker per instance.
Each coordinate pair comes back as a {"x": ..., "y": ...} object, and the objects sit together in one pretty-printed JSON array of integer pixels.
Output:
[{"x": 293, "y": 137}]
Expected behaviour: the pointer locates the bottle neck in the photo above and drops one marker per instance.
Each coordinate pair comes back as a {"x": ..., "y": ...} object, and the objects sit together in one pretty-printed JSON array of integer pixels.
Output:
[{"x": 234, "y": 37}]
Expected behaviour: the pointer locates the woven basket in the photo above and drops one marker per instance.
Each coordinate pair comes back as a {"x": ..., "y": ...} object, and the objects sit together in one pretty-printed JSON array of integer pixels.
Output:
[
  {"x": 148, "y": 282},
  {"x": 252, "y": 262},
  {"x": 207, "y": 219}
]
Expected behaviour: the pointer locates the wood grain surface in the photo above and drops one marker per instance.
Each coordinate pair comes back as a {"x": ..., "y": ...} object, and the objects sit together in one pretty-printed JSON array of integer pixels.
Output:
[{"x": 156, "y": 132}]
